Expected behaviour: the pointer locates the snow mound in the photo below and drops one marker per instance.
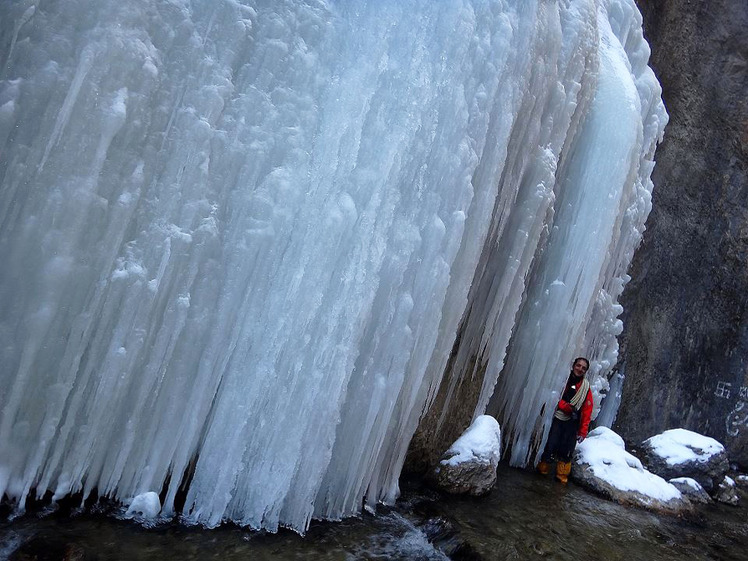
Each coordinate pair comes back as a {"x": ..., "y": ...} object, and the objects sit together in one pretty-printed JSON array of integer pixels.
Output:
[
  {"x": 605, "y": 453},
  {"x": 603, "y": 464},
  {"x": 481, "y": 441},
  {"x": 683, "y": 453},
  {"x": 469, "y": 465},
  {"x": 679, "y": 446},
  {"x": 144, "y": 506}
]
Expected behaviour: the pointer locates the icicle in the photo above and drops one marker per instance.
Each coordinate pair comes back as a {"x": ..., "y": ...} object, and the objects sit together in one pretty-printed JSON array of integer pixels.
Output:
[{"x": 239, "y": 239}]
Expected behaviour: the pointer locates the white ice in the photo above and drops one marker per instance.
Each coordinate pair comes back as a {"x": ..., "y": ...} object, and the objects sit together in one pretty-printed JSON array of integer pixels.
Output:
[
  {"x": 606, "y": 453},
  {"x": 570, "y": 304},
  {"x": 145, "y": 506},
  {"x": 239, "y": 239},
  {"x": 678, "y": 446}
]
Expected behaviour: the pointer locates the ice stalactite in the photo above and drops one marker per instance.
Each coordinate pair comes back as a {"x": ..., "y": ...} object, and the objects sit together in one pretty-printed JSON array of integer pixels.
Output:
[
  {"x": 603, "y": 200},
  {"x": 239, "y": 238}
]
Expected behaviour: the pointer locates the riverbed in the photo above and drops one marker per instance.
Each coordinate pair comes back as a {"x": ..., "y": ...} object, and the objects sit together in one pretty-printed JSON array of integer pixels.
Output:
[{"x": 525, "y": 517}]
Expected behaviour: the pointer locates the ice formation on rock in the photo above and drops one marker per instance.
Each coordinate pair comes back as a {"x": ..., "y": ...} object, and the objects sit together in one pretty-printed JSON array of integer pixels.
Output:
[{"x": 244, "y": 234}]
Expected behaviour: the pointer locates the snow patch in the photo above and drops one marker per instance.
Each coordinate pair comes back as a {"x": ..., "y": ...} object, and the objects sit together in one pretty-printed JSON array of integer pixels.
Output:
[
  {"x": 144, "y": 506},
  {"x": 678, "y": 446},
  {"x": 481, "y": 441},
  {"x": 606, "y": 454},
  {"x": 692, "y": 483}
]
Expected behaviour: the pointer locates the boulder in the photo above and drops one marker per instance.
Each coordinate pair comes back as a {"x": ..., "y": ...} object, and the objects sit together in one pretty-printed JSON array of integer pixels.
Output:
[
  {"x": 691, "y": 489},
  {"x": 602, "y": 464},
  {"x": 727, "y": 492},
  {"x": 683, "y": 453},
  {"x": 469, "y": 465}
]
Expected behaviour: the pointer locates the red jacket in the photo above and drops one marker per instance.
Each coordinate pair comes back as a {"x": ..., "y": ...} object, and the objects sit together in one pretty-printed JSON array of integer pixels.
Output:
[{"x": 585, "y": 412}]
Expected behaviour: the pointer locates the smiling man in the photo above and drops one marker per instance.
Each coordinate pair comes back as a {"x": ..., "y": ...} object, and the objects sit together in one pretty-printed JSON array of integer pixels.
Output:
[{"x": 570, "y": 421}]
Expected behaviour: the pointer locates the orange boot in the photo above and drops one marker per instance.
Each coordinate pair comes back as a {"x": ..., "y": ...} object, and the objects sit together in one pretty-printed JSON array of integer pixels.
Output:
[
  {"x": 543, "y": 468},
  {"x": 563, "y": 469}
]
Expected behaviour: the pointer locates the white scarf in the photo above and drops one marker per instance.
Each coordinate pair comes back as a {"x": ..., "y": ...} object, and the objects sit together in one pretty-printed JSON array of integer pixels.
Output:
[{"x": 576, "y": 401}]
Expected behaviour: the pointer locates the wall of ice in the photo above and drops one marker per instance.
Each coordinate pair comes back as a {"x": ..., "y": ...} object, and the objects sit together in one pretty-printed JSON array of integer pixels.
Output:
[{"x": 238, "y": 238}]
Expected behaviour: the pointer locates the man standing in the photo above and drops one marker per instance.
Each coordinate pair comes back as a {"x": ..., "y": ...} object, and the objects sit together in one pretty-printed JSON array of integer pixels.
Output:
[{"x": 570, "y": 421}]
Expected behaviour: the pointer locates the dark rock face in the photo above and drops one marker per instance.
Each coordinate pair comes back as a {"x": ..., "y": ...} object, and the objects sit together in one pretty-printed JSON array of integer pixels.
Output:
[
  {"x": 431, "y": 439},
  {"x": 684, "y": 350}
]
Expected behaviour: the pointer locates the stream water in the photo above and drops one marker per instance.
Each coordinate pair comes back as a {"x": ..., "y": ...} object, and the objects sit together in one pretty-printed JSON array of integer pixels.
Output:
[{"x": 525, "y": 517}]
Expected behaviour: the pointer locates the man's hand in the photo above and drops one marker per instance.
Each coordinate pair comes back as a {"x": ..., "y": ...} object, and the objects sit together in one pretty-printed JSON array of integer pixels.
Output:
[
  {"x": 580, "y": 439},
  {"x": 565, "y": 406}
]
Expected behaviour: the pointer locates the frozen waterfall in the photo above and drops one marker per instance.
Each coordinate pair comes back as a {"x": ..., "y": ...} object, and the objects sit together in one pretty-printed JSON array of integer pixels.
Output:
[{"x": 239, "y": 238}]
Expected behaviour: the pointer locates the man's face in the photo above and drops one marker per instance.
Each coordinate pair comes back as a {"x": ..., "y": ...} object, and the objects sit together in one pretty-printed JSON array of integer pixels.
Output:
[{"x": 580, "y": 368}]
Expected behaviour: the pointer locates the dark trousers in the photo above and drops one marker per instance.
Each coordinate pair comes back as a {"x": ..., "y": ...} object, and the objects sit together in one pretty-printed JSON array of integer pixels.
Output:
[{"x": 561, "y": 441}]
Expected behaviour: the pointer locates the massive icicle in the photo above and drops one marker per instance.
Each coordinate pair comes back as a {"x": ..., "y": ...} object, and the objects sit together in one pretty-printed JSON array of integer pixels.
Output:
[
  {"x": 603, "y": 200},
  {"x": 244, "y": 234}
]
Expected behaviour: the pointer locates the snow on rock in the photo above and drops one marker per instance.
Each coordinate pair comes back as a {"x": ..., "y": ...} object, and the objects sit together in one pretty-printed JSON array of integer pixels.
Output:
[
  {"x": 469, "y": 465},
  {"x": 678, "y": 446},
  {"x": 691, "y": 489},
  {"x": 144, "y": 506},
  {"x": 727, "y": 492},
  {"x": 602, "y": 464},
  {"x": 683, "y": 453}
]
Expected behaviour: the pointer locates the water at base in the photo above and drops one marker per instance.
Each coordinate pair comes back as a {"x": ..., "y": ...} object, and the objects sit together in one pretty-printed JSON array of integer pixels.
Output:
[{"x": 525, "y": 517}]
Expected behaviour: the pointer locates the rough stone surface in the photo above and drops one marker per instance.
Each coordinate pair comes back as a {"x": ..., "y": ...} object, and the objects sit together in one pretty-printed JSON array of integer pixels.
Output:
[
  {"x": 727, "y": 492},
  {"x": 602, "y": 464},
  {"x": 684, "y": 349},
  {"x": 469, "y": 465},
  {"x": 432, "y": 437},
  {"x": 708, "y": 471},
  {"x": 691, "y": 489},
  {"x": 471, "y": 478},
  {"x": 583, "y": 474}
]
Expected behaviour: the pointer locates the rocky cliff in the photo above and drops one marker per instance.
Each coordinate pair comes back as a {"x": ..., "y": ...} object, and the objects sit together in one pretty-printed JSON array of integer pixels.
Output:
[{"x": 684, "y": 350}]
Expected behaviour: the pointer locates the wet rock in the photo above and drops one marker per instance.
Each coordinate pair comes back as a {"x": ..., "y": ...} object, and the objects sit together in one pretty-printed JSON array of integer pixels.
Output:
[
  {"x": 726, "y": 492},
  {"x": 691, "y": 489},
  {"x": 44, "y": 548},
  {"x": 444, "y": 534},
  {"x": 469, "y": 466},
  {"x": 602, "y": 464},
  {"x": 585, "y": 476},
  {"x": 74, "y": 552},
  {"x": 681, "y": 453},
  {"x": 741, "y": 480},
  {"x": 472, "y": 478}
]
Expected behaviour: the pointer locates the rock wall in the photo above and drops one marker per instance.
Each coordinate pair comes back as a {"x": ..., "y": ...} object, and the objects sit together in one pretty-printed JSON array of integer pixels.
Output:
[{"x": 684, "y": 350}]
